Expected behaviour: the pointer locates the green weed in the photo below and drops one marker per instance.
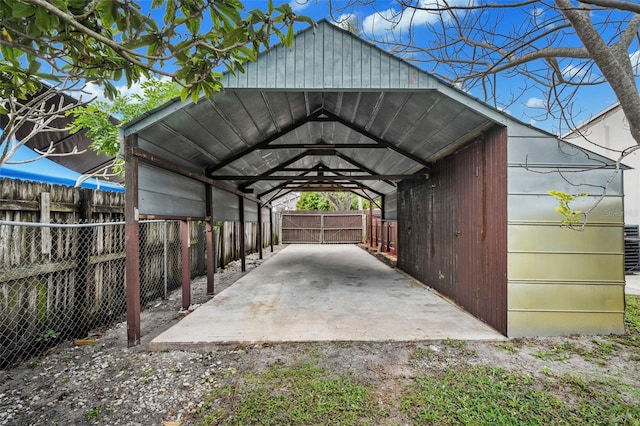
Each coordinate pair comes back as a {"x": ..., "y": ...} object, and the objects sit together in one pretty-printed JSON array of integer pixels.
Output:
[
  {"x": 294, "y": 395},
  {"x": 93, "y": 413},
  {"x": 468, "y": 394}
]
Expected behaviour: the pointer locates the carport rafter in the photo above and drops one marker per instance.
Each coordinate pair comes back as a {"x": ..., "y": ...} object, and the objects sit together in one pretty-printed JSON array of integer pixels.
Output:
[
  {"x": 331, "y": 117},
  {"x": 323, "y": 177},
  {"x": 213, "y": 168}
]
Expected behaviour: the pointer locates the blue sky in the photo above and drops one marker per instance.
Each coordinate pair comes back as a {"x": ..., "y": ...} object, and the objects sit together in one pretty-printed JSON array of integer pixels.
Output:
[{"x": 371, "y": 19}]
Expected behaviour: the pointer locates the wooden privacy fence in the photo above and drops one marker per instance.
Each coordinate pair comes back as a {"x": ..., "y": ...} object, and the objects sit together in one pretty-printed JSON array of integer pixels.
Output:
[
  {"x": 382, "y": 234},
  {"x": 62, "y": 262},
  {"x": 322, "y": 227}
]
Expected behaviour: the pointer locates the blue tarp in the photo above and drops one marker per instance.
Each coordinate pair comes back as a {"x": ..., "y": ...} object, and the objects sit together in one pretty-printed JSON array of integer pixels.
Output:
[{"x": 45, "y": 170}]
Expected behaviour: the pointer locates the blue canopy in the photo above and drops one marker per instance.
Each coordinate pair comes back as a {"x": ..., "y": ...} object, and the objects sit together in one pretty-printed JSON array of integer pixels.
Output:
[{"x": 45, "y": 170}]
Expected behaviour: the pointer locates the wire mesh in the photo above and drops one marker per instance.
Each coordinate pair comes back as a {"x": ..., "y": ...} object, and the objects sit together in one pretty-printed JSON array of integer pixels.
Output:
[{"x": 59, "y": 281}]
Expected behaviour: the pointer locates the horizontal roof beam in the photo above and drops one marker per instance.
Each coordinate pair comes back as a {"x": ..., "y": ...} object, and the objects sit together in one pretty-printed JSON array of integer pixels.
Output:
[
  {"x": 325, "y": 146},
  {"x": 323, "y": 178}
]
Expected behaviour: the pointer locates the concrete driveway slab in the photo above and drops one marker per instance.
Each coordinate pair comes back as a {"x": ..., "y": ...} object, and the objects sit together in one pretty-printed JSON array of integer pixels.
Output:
[{"x": 322, "y": 293}]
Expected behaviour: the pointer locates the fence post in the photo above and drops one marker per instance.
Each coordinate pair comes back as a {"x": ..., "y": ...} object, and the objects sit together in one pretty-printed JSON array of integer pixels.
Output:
[
  {"x": 45, "y": 217},
  {"x": 85, "y": 244},
  {"x": 186, "y": 270}
]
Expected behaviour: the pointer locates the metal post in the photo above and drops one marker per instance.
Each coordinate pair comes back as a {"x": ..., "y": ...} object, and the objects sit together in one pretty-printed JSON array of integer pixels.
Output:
[
  {"x": 211, "y": 247},
  {"x": 271, "y": 227},
  {"x": 243, "y": 260},
  {"x": 132, "y": 241},
  {"x": 371, "y": 223},
  {"x": 382, "y": 223},
  {"x": 259, "y": 236},
  {"x": 186, "y": 267},
  {"x": 211, "y": 257},
  {"x": 164, "y": 263}
]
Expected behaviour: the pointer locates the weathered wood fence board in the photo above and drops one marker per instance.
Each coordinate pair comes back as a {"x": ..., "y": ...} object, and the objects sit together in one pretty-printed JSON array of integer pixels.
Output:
[{"x": 58, "y": 282}]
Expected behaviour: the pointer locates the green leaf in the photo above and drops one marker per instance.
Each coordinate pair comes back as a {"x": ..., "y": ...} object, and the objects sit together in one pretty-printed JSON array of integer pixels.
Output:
[
  {"x": 193, "y": 24},
  {"x": 288, "y": 39},
  {"x": 42, "y": 19},
  {"x": 229, "y": 11},
  {"x": 21, "y": 10}
]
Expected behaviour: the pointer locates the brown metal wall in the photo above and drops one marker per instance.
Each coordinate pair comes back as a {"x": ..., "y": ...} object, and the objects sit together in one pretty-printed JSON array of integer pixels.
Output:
[{"x": 452, "y": 232}]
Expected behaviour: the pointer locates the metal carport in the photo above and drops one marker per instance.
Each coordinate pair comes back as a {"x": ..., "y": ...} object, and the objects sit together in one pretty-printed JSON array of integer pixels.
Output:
[{"x": 329, "y": 113}]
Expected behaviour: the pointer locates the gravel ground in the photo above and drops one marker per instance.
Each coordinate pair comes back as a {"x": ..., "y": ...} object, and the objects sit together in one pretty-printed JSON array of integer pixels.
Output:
[{"x": 108, "y": 383}]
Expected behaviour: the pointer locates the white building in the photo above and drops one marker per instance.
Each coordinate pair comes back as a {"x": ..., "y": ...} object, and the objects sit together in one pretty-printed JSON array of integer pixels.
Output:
[{"x": 607, "y": 133}]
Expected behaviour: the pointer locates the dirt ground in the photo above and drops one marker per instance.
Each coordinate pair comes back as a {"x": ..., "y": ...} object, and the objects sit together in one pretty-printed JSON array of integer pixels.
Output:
[{"x": 108, "y": 383}]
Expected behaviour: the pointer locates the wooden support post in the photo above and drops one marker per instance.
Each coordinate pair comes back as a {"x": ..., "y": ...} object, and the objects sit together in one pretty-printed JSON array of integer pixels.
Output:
[
  {"x": 83, "y": 275},
  {"x": 45, "y": 232},
  {"x": 211, "y": 254},
  {"x": 271, "y": 227},
  {"x": 259, "y": 236},
  {"x": 132, "y": 241},
  {"x": 186, "y": 264}
]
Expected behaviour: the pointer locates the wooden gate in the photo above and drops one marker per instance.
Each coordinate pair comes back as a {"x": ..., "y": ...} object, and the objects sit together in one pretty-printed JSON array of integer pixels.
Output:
[{"x": 321, "y": 227}]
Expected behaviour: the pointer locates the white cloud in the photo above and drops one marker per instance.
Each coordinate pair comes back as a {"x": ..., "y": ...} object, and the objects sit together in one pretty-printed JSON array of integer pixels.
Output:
[
  {"x": 393, "y": 19},
  {"x": 533, "y": 122},
  {"x": 571, "y": 72},
  {"x": 536, "y": 103},
  {"x": 90, "y": 92},
  {"x": 299, "y": 5},
  {"x": 635, "y": 62}
]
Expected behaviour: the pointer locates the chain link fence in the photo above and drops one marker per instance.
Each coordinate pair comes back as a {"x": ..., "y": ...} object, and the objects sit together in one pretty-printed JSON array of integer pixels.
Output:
[{"x": 59, "y": 281}]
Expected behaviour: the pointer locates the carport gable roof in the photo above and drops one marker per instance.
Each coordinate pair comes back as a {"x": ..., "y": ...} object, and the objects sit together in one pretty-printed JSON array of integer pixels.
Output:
[{"x": 331, "y": 112}]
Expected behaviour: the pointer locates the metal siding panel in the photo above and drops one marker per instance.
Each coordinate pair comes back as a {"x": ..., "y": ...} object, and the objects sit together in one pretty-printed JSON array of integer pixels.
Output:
[
  {"x": 356, "y": 65},
  {"x": 543, "y": 151},
  {"x": 566, "y": 298},
  {"x": 250, "y": 211},
  {"x": 366, "y": 66},
  {"x": 308, "y": 43},
  {"x": 570, "y": 267},
  {"x": 281, "y": 67},
  {"x": 328, "y": 58},
  {"x": 394, "y": 73},
  {"x": 225, "y": 205},
  {"x": 375, "y": 68},
  {"x": 529, "y": 324},
  {"x": 336, "y": 65},
  {"x": 162, "y": 192},
  {"x": 536, "y": 180},
  {"x": 391, "y": 206},
  {"x": 541, "y": 209},
  {"x": 552, "y": 238}
]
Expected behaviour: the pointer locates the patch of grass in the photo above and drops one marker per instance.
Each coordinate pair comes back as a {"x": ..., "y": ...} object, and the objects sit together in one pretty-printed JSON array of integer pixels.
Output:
[
  {"x": 632, "y": 324},
  {"x": 422, "y": 353},
  {"x": 509, "y": 347},
  {"x": 93, "y": 413},
  {"x": 632, "y": 315},
  {"x": 477, "y": 395},
  {"x": 300, "y": 394},
  {"x": 459, "y": 345},
  {"x": 469, "y": 394},
  {"x": 342, "y": 345},
  {"x": 560, "y": 351}
]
